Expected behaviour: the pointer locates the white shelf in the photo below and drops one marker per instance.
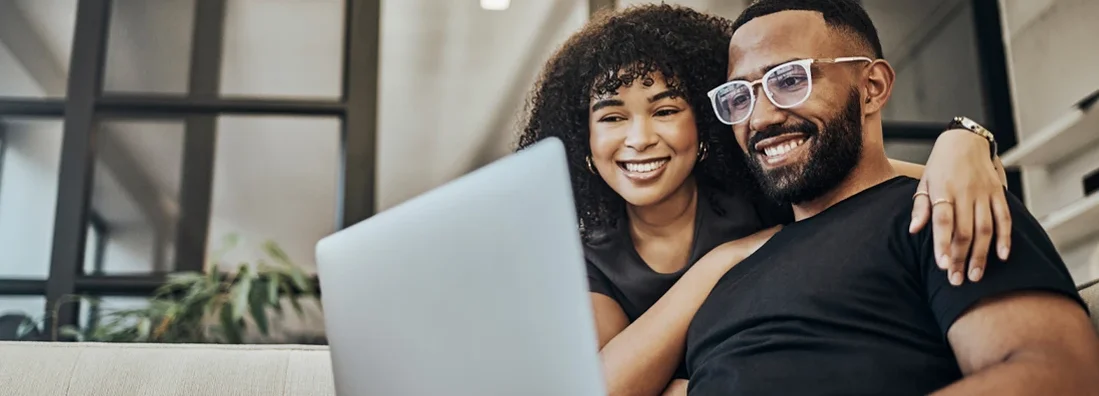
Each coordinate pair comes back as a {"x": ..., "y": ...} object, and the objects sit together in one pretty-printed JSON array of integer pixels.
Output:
[
  {"x": 1076, "y": 130},
  {"x": 1073, "y": 223}
]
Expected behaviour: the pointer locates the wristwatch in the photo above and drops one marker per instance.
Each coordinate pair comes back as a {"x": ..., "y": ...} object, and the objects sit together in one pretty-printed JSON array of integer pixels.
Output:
[{"x": 973, "y": 126}]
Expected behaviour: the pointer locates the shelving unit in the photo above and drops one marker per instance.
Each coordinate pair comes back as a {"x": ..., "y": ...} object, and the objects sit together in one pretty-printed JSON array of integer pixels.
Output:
[
  {"x": 1069, "y": 134},
  {"x": 1051, "y": 79},
  {"x": 1073, "y": 223},
  {"x": 1076, "y": 130}
]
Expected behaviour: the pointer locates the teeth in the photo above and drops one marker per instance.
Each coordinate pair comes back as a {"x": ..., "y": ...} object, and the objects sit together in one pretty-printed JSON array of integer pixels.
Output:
[
  {"x": 782, "y": 148},
  {"x": 643, "y": 167}
]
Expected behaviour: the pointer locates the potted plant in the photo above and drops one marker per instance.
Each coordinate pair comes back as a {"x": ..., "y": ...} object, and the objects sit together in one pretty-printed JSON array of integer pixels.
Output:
[{"x": 204, "y": 307}]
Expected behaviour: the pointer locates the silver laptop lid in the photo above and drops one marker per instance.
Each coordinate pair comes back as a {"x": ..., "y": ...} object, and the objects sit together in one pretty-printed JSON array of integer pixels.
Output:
[{"x": 475, "y": 288}]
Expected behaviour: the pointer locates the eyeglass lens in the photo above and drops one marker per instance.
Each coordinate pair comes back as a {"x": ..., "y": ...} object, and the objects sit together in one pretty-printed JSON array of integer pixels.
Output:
[{"x": 786, "y": 86}]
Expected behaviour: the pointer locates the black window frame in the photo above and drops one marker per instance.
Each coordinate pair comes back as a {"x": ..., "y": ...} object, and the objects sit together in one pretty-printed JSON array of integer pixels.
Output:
[{"x": 86, "y": 103}]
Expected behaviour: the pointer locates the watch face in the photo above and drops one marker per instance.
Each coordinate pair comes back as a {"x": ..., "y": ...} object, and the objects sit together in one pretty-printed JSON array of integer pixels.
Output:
[
  {"x": 973, "y": 126},
  {"x": 967, "y": 123}
]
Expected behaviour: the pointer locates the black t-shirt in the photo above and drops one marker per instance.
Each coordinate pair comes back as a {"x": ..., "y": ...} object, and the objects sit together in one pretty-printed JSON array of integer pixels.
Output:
[
  {"x": 849, "y": 303},
  {"x": 615, "y": 269}
]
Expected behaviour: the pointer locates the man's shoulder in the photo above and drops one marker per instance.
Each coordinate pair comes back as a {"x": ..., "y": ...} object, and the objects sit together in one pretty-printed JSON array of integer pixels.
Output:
[
  {"x": 895, "y": 193},
  {"x": 897, "y": 189},
  {"x": 888, "y": 203},
  {"x": 892, "y": 201},
  {"x": 875, "y": 218}
]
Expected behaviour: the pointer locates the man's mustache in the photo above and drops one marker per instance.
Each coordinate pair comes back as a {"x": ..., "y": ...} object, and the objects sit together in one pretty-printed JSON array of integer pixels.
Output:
[{"x": 804, "y": 127}]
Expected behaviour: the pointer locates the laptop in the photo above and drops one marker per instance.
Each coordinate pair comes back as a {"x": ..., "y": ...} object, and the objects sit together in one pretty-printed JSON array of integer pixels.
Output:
[{"x": 477, "y": 287}]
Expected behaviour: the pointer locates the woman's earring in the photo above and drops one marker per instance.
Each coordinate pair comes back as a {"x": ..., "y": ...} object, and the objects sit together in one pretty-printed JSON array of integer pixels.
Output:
[
  {"x": 591, "y": 167},
  {"x": 702, "y": 151}
]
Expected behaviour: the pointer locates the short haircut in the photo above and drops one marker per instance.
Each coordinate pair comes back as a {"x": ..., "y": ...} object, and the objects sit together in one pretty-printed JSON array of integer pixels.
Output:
[{"x": 844, "y": 15}]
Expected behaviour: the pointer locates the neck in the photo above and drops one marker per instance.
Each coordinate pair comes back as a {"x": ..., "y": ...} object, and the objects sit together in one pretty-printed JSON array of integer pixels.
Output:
[
  {"x": 667, "y": 217},
  {"x": 873, "y": 169}
]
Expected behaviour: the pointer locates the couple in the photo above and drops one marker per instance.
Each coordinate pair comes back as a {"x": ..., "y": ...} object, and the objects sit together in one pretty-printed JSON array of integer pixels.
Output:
[{"x": 841, "y": 287}]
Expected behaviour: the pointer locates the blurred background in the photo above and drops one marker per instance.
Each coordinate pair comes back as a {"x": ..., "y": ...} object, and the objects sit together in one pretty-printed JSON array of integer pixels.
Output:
[{"x": 138, "y": 138}]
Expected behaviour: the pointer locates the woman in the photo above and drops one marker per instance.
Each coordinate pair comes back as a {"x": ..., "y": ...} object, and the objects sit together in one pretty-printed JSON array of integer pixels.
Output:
[{"x": 660, "y": 184}]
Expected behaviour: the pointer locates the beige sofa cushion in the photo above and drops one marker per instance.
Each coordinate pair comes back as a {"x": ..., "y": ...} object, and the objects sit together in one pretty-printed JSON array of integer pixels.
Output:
[
  {"x": 1090, "y": 293},
  {"x": 92, "y": 369}
]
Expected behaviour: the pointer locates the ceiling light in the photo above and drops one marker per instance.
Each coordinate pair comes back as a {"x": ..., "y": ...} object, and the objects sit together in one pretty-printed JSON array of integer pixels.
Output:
[{"x": 495, "y": 5}]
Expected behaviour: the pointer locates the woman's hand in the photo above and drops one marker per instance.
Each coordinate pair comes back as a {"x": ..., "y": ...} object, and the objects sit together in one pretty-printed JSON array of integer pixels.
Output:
[{"x": 962, "y": 193}]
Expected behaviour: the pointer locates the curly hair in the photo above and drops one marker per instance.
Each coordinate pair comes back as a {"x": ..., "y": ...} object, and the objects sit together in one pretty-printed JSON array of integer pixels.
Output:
[{"x": 687, "y": 48}]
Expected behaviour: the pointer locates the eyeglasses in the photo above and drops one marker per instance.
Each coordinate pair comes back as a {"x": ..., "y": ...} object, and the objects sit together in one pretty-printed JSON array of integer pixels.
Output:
[{"x": 786, "y": 85}]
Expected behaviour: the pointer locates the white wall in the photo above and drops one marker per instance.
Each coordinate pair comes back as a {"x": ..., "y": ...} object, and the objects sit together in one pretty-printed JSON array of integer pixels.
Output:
[
  {"x": 938, "y": 80},
  {"x": 1053, "y": 58},
  {"x": 448, "y": 71},
  {"x": 148, "y": 46},
  {"x": 28, "y": 195},
  {"x": 28, "y": 189},
  {"x": 141, "y": 220},
  {"x": 28, "y": 180},
  {"x": 275, "y": 178},
  {"x": 932, "y": 45},
  {"x": 283, "y": 48},
  {"x": 14, "y": 79}
]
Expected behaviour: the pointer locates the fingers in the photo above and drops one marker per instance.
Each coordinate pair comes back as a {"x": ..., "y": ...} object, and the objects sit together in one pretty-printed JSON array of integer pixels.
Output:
[
  {"x": 942, "y": 229},
  {"x": 982, "y": 239},
  {"x": 963, "y": 237},
  {"x": 1001, "y": 173},
  {"x": 921, "y": 208},
  {"x": 1003, "y": 225}
]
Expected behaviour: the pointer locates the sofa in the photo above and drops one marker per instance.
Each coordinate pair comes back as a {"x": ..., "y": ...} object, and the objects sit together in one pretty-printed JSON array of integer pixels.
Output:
[{"x": 93, "y": 369}]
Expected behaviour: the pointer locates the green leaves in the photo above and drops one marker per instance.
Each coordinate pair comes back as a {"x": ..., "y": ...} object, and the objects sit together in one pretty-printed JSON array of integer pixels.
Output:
[
  {"x": 206, "y": 307},
  {"x": 72, "y": 332},
  {"x": 272, "y": 283},
  {"x": 144, "y": 327},
  {"x": 258, "y": 303},
  {"x": 27, "y": 327},
  {"x": 240, "y": 291},
  {"x": 180, "y": 281},
  {"x": 230, "y": 328}
]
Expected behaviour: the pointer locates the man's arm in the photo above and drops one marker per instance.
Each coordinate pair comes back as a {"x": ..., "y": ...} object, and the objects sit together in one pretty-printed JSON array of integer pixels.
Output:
[{"x": 1025, "y": 343}]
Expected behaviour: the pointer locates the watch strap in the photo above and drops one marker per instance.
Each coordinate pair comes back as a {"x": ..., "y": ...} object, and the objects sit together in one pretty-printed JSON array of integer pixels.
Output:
[{"x": 975, "y": 128}]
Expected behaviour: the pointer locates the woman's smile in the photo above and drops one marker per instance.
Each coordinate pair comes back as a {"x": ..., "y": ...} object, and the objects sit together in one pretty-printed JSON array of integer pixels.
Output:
[{"x": 644, "y": 169}]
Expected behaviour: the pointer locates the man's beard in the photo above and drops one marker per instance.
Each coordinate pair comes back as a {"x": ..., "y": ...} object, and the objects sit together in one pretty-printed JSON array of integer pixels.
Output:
[{"x": 832, "y": 156}]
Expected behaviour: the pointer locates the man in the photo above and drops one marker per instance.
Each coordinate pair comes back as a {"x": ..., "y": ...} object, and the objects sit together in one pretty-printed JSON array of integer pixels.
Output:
[{"x": 845, "y": 301}]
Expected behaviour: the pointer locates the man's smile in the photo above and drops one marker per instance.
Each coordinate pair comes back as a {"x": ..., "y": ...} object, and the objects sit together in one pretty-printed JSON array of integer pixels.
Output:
[{"x": 781, "y": 150}]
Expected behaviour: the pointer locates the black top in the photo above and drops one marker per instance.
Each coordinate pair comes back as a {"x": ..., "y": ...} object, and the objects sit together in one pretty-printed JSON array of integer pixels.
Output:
[
  {"x": 849, "y": 303},
  {"x": 615, "y": 269}
]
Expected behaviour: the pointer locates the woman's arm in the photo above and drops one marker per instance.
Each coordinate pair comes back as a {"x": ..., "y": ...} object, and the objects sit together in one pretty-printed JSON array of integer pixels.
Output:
[
  {"x": 909, "y": 169},
  {"x": 915, "y": 171},
  {"x": 640, "y": 358},
  {"x": 676, "y": 388},
  {"x": 961, "y": 192}
]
